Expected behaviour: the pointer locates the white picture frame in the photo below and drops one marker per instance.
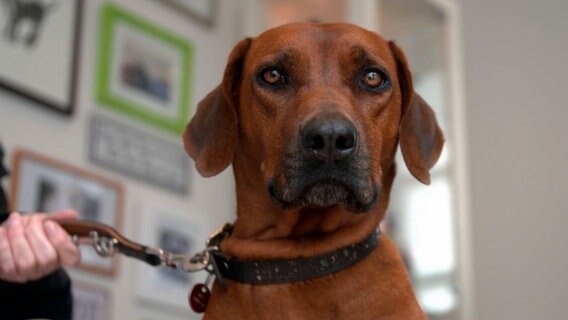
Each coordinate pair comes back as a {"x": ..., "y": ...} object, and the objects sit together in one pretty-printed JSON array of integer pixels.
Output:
[{"x": 162, "y": 228}]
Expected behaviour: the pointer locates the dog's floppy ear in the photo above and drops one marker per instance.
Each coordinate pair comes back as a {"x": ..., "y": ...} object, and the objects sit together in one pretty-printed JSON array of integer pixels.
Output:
[
  {"x": 210, "y": 138},
  {"x": 421, "y": 139}
]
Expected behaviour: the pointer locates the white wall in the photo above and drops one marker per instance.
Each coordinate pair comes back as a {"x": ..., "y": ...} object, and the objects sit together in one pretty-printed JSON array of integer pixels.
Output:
[
  {"x": 516, "y": 69},
  {"x": 41, "y": 130}
]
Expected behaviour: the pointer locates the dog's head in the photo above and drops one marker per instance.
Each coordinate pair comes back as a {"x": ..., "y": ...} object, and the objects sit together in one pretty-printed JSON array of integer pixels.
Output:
[{"x": 316, "y": 112}]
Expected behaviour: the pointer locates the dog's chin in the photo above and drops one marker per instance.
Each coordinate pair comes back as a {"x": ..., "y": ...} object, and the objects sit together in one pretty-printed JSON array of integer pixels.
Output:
[{"x": 325, "y": 194}]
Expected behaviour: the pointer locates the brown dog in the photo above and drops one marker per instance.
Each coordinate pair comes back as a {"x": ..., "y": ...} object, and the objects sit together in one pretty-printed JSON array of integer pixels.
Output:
[{"x": 310, "y": 116}]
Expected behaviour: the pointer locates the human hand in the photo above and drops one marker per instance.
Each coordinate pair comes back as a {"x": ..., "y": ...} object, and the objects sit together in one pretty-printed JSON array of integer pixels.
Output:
[{"x": 33, "y": 246}]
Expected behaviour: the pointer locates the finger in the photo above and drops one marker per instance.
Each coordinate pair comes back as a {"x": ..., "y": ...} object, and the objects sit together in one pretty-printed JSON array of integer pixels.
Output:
[
  {"x": 56, "y": 215},
  {"x": 67, "y": 251},
  {"x": 7, "y": 266},
  {"x": 63, "y": 214},
  {"x": 24, "y": 218},
  {"x": 45, "y": 254},
  {"x": 24, "y": 260}
]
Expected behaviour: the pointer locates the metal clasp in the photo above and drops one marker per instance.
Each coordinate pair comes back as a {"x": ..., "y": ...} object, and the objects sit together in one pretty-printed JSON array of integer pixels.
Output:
[
  {"x": 205, "y": 260},
  {"x": 197, "y": 262},
  {"x": 104, "y": 246}
]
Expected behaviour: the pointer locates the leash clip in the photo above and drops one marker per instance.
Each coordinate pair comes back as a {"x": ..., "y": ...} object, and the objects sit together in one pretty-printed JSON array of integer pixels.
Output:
[
  {"x": 104, "y": 246},
  {"x": 203, "y": 260},
  {"x": 186, "y": 263}
]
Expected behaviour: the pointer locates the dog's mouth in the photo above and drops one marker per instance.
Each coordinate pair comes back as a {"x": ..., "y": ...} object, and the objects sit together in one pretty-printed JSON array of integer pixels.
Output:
[{"x": 353, "y": 194}]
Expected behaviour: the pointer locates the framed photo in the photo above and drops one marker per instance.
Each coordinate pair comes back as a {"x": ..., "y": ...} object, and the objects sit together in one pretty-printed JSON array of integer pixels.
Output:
[
  {"x": 203, "y": 11},
  {"x": 42, "y": 184},
  {"x": 144, "y": 70},
  {"x": 39, "y": 53},
  {"x": 164, "y": 229},
  {"x": 90, "y": 302},
  {"x": 139, "y": 154}
]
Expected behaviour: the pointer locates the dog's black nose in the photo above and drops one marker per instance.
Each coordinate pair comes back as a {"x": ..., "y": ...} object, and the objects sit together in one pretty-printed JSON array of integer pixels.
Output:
[{"x": 329, "y": 136}]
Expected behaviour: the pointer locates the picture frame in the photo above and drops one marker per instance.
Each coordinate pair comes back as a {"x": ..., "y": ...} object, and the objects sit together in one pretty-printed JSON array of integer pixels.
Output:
[
  {"x": 144, "y": 71},
  {"x": 39, "y": 40},
  {"x": 43, "y": 184},
  {"x": 138, "y": 154},
  {"x": 204, "y": 11},
  {"x": 160, "y": 227},
  {"x": 90, "y": 302}
]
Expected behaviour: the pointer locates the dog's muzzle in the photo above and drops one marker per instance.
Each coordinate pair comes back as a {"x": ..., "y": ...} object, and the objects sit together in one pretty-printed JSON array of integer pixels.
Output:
[{"x": 327, "y": 167}]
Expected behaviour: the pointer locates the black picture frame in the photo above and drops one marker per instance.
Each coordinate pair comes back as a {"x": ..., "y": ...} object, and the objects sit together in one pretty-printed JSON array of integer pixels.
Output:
[
  {"x": 207, "y": 19},
  {"x": 28, "y": 93}
]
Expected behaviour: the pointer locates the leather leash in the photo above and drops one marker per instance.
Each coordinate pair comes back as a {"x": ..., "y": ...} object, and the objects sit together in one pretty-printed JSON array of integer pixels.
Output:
[{"x": 107, "y": 241}]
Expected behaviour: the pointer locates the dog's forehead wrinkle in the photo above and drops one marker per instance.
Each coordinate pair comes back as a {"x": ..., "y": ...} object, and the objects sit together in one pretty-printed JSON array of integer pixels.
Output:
[
  {"x": 364, "y": 55},
  {"x": 359, "y": 54},
  {"x": 279, "y": 56}
]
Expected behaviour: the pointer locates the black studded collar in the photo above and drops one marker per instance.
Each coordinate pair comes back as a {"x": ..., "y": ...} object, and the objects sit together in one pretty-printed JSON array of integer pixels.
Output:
[{"x": 276, "y": 271}]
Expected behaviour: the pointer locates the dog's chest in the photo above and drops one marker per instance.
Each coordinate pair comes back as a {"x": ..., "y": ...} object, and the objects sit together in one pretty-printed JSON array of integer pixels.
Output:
[{"x": 274, "y": 304}]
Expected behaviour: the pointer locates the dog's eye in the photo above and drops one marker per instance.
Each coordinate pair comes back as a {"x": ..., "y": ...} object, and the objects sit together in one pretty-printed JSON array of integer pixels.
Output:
[
  {"x": 272, "y": 77},
  {"x": 374, "y": 79}
]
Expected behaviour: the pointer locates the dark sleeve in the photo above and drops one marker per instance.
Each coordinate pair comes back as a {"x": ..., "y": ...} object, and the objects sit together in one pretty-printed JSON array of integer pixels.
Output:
[
  {"x": 3, "y": 216},
  {"x": 3, "y": 202},
  {"x": 3, "y": 199},
  {"x": 3, "y": 170},
  {"x": 47, "y": 298}
]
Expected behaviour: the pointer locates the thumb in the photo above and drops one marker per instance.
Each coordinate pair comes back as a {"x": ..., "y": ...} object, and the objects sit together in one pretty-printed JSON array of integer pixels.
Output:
[{"x": 63, "y": 214}]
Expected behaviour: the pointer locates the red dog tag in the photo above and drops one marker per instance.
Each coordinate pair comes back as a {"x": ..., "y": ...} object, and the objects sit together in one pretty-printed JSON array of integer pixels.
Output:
[{"x": 199, "y": 298}]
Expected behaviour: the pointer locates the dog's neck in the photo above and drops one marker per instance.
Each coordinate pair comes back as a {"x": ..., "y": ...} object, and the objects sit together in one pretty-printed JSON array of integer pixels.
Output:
[{"x": 263, "y": 230}]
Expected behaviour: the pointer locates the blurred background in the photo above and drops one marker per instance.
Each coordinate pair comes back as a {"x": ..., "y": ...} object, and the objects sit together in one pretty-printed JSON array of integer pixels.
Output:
[{"x": 94, "y": 95}]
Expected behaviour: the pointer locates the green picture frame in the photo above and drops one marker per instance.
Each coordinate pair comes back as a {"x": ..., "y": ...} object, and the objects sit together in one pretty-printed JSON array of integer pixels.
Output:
[{"x": 143, "y": 70}]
